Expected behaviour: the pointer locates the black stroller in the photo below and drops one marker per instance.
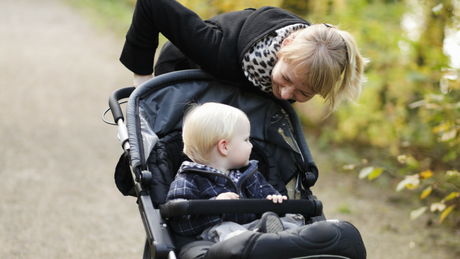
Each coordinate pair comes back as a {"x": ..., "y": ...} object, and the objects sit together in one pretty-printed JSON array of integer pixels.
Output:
[{"x": 153, "y": 145}]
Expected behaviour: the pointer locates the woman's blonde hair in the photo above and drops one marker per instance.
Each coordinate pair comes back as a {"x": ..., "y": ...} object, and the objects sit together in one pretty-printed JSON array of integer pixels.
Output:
[
  {"x": 204, "y": 125},
  {"x": 321, "y": 54}
]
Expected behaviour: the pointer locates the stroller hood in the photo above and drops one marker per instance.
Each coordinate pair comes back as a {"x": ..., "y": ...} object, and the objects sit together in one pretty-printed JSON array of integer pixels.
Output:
[{"x": 157, "y": 107}]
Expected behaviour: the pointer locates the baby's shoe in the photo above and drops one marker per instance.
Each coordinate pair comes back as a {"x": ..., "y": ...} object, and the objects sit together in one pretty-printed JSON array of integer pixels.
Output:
[{"x": 270, "y": 223}]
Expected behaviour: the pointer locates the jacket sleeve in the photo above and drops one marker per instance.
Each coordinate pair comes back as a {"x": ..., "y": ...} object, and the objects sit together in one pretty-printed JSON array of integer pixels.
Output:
[
  {"x": 183, "y": 27},
  {"x": 265, "y": 188},
  {"x": 189, "y": 225}
]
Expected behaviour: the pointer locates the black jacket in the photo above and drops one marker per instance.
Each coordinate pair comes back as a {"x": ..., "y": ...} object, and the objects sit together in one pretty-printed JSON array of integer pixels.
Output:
[{"x": 216, "y": 45}]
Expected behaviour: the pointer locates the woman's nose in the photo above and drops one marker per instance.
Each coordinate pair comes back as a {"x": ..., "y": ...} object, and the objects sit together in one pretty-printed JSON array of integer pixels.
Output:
[{"x": 287, "y": 92}]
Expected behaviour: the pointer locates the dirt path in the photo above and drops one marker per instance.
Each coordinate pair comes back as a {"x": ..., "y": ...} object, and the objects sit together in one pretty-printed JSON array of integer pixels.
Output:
[{"x": 58, "y": 199}]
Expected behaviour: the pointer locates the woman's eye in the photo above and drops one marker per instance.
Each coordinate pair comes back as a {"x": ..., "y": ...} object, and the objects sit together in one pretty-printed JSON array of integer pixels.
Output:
[
  {"x": 286, "y": 79},
  {"x": 305, "y": 94}
]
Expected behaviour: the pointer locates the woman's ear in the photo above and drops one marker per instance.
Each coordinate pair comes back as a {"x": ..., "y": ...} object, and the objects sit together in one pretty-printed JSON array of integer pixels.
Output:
[
  {"x": 222, "y": 147},
  {"x": 288, "y": 40}
]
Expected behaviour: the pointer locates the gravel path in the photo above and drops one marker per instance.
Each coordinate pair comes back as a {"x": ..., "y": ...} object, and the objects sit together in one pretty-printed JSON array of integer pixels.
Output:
[{"x": 58, "y": 198}]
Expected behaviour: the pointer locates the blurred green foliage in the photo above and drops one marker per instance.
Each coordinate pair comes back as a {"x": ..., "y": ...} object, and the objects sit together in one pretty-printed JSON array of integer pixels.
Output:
[
  {"x": 410, "y": 106},
  {"x": 408, "y": 118}
]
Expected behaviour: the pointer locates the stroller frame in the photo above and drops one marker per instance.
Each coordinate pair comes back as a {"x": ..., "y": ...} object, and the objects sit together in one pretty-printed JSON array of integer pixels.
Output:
[{"x": 160, "y": 241}]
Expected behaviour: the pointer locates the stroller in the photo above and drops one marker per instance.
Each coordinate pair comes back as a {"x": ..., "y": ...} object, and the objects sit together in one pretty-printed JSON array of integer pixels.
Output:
[{"x": 152, "y": 144}]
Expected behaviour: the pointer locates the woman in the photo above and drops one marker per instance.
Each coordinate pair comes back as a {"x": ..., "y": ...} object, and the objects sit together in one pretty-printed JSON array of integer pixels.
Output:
[{"x": 268, "y": 48}]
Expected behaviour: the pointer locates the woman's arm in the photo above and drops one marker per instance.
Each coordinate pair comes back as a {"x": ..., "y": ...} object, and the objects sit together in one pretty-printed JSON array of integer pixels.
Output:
[
  {"x": 183, "y": 27},
  {"x": 139, "y": 79}
]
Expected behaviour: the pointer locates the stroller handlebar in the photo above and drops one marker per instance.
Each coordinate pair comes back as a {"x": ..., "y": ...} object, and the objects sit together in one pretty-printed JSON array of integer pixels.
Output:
[
  {"x": 115, "y": 105},
  {"x": 117, "y": 114},
  {"x": 309, "y": 208}
]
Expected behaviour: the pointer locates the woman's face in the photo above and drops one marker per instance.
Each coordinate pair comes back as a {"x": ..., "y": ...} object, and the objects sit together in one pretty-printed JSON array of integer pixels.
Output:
[{"x": 287, "y": 86}]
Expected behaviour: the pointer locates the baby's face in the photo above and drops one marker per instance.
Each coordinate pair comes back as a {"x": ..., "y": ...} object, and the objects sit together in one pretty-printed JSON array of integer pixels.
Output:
[{"x": 240, "y": 147}]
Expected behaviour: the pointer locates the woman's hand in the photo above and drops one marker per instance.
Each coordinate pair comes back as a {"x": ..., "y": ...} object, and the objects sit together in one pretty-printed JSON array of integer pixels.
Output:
[
  {"x": 277, "y": 198},
  {"x": 227, "y": 196}
]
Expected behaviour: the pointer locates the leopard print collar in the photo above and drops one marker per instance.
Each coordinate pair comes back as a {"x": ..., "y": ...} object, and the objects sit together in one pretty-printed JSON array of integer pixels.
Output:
[{"x": 259, "y": 61}]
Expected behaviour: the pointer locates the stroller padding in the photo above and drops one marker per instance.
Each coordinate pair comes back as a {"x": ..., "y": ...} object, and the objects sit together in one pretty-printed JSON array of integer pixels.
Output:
[
  {"x": 164, "y": 162},
  {"x": 339, "y": 239}
]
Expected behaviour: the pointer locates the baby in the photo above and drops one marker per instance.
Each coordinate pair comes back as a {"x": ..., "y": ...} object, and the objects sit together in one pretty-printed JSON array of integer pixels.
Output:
[{"x": 216, "y": 139}]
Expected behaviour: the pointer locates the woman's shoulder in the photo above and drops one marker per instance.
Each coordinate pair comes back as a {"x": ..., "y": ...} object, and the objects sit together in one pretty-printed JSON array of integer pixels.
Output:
[
  {"x": 264, "y": 14},
  {"x": 279, "y": 14}
]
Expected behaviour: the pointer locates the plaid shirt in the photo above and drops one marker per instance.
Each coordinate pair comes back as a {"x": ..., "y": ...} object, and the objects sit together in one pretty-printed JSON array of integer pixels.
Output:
[{"x": 197, "y": 181}]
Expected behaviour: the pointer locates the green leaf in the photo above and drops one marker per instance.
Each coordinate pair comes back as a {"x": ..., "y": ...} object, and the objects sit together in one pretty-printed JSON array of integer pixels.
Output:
[
  {"x": 375, "y": 173},
  {"x": 365, "y": 172},
  {"x": 446, "y": 212},
  {"x": 451, "y": 196},
  {"x": 418, "y": 212},
  {"x": 426, "y": 192}
]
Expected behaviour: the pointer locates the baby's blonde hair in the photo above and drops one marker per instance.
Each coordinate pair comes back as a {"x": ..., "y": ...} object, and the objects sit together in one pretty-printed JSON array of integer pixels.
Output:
[
  {"x": 320, "y": 54},
  {"x": 204, "y": 125}
]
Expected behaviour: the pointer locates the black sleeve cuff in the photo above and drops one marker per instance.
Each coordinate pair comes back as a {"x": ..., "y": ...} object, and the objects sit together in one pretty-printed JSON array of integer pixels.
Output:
[{"x": 138, "y": 60}]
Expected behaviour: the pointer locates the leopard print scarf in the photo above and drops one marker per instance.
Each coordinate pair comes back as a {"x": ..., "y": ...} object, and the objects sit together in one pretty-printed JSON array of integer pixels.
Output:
[{"x": 259, "y": 61}]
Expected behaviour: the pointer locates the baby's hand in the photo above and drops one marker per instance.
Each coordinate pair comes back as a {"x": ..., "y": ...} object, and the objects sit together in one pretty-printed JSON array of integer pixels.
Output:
[
  {"x": 227, "y": 196},
  {"x": 277, "y": 198}
]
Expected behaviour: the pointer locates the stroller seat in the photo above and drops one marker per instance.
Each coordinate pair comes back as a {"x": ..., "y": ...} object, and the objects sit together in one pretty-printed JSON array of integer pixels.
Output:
[{"x": 152, "y": 142}]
